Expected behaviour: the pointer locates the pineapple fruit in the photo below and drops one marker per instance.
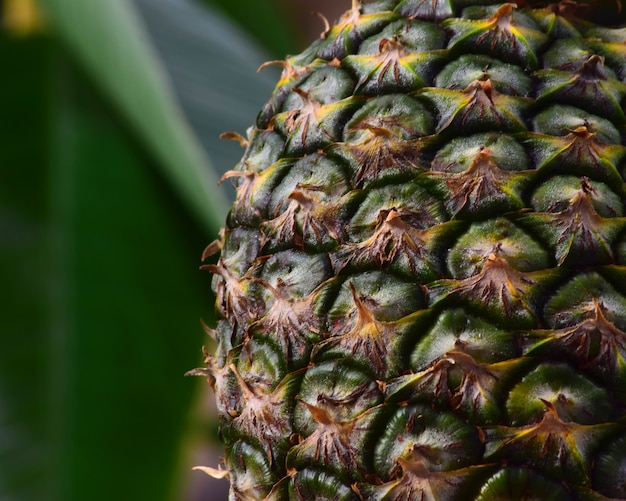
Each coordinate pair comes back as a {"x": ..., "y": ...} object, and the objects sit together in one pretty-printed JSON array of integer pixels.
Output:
[{"x": 422, "y": 281}]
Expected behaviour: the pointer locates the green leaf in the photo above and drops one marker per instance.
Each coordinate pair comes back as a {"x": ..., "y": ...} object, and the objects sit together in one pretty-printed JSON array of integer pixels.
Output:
[
  {"x": 24, "y": 455},
  {"x": 103, "y": 297},
  {"x": 126, "y": 314},
  {"x": 98, "y": 258},
  {"x": 108, "y": 41},
  {"x": 271, "y": 22},
  {"x": 212, "y": 66}
]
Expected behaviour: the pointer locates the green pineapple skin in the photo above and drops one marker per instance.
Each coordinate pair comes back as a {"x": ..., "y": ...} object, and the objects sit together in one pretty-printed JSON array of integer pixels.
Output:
[{"x": 422, "y": 281}]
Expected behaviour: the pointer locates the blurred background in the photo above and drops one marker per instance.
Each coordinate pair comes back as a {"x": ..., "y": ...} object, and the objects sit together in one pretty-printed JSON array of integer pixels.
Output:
[{"x": 110, "y": 118}]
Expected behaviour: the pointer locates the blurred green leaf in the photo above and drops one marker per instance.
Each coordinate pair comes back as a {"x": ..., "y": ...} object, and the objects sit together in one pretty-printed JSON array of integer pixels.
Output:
[
  {"x": 24, "y": 268},
  {"x": 212, "y": 65},
  {"x": 107, "y": 39},
  {"x": 126, "y": 307},
  {"x": 102, "y": 299},
  {"x": 106, "y": 203},
  {"x": 269, "y": 21}
]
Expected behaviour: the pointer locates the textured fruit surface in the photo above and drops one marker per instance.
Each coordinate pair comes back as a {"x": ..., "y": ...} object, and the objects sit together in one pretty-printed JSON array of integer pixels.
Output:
[{"x": 422, "y": 281}]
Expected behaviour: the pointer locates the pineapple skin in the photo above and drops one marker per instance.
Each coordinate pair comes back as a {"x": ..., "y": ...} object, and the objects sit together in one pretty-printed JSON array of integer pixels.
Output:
[{"x": 422, "y": 281}]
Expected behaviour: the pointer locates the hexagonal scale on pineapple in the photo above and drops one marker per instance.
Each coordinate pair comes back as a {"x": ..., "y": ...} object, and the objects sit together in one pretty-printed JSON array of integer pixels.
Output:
[
  {"x": 402, "y": 56},
  {"x": 369, "y": 342},
  {"x": 306, "y": 223},
  {"x": 393, "y": 68},
  {"x": 588, "y": 87},
  {"x": 424, "y": 454},
  {"x": 369, "y": 328},
  {"x": 310, "y": 206},
  {"x": 483, "y": 189},
  {"x": 414, "y": 35},
  {"x": 345, "y": 37},
  {"x": 290, "y": 318},
  {"x": 585, "y": 296},
  {"x": 609, "y": 476},
  {"x": 555, "y": 194},
  {"x": 253, "y": 193},
  {"x": 263, "y": 148},
  {"x": 435, "y": 10},
  {"x": 499, "y": 235},
  {"x": 383, "y": 139},
  {"x": 292, "y": 75},
  {"x": 456, "y": 381},
  {"x": 458, "y": 154},
  {"x": 416, "y": 482},
  {"x": 521, "y": 484},
  {"x": 506, "y": 78},
  {"x": 593, "y": 343},
  {"x": 498, "y": 30},
  {"x": 404, "y": 237},
  {"x": 437, "y": 439},
  {"x": 336, "y": 445},
  {"x": 264, "y": 414},
  {"x": 454, "y": 329},
  {"x": 262, "y": 360},
  {"x": 313, "y": 125},
  {"x": 578, "y": 234},
  {"x": 314, "y": 173},
  {"x": 559, "y": 120},
  {"x": 385, "y": 299},
  {"x": 294, "y": 272},
  {"x": 571, "y": 54},
  {"x": 505, "y": 294},
  {"x": 252, "y": 477},
  {"x": 411, "y": 200},
  {"x": 340, "y": 388},
  {"x": 554, "y": 447},
  {"x": 328, "y": 84},
  {"x": 574, "y": 397},
  {"x": 476, "y": 108},
  {"x": 240, "y": 248},
  {"x": 580, "y": 152}
]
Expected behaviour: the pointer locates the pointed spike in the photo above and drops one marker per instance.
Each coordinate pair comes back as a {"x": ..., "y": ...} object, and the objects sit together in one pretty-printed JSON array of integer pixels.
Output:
[
  {"x": 278, "y": 62},
  {"x": 208, "y": 330},
  {"x": 365, "y": 315},
  {"x": 235, "y": 136},
  {"x": 240, "y": 380},
  {"x": 321, "y": 416},
  {"x": 235, "y": 173},
  {"x": 213, "y": 248},
  {"x": 216, "y": 473},
  {"x": 200, "y": 371},
  {"x": 324, "y": 19}
]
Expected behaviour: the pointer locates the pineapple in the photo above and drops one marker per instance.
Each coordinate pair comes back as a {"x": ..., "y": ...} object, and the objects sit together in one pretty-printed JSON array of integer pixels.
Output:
[{"x": 422, "y": 281}]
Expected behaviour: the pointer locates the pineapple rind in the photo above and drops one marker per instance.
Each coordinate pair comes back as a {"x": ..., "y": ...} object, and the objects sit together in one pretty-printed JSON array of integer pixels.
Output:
[{"x": 422, "y": 279}]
